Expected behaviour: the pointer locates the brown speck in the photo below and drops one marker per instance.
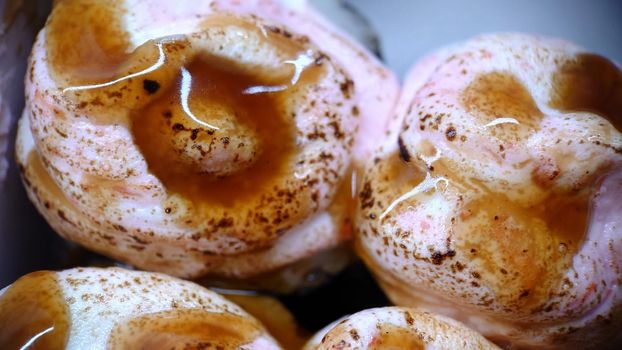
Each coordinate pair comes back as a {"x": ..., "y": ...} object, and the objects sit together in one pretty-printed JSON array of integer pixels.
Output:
[
  {"x": 451, "y": 133},
  {"x": 438, "y": 257},
  {"x": 524, "y": 294},
  {"x": 151, "y": 86}
]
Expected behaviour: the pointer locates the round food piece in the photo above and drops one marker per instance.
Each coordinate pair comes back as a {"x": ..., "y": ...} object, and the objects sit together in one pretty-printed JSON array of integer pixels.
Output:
[
  {"x": 199, "y": 138},
  {"x": 113, "y": 308},
  {"x": 495, "y": 200},
  {"x": 397, "y": 328}
]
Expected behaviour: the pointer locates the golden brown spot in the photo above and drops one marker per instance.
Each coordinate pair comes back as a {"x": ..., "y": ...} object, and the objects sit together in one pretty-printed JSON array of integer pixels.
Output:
[
  {"x": 86, "y": 41},
  {"x": 527, "y": 239},
  {"x": 217, "y": 84},
  {"x": 589, "y": 83},
  {"x": 393, "y": 337},
  {"x": 34, "y": 305},
  {"x": 184, "y": 329},
  {"x": 501, "y": 95}
]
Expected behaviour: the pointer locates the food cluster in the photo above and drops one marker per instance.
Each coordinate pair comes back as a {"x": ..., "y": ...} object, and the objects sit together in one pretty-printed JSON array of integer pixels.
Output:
[{"x": 244, "y": 143}]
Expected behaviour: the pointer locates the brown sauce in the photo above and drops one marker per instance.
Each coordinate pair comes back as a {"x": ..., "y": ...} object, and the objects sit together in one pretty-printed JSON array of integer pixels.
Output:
[
  {"x": 529, "y": 239},
  {"x": 86, "y": 41},
  {"x": 589, "y": 83},
  {"x": 33, "y": 310},
  {"x": 403, "y": 175},
  {"x": 501, "y": 95},
  {"x": 192, "y": 329},
  {"x": 391, "y": 337},
  {"x": 230, "y": 148},
  {"x": 538, "y": 240},
  {"x": 216, "y": 84}
]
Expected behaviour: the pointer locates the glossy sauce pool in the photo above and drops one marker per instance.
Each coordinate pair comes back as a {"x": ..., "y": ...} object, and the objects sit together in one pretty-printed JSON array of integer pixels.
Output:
[{"x": 33, "y": 314}]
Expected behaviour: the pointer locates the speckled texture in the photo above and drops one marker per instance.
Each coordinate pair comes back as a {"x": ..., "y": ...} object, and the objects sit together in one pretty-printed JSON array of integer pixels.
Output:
[
  {"x": 412, "y": 328},
  {"x": 475, "y": 205},
  {"x": 93, "y": 186},
  {"x": 100, "y": 300}
]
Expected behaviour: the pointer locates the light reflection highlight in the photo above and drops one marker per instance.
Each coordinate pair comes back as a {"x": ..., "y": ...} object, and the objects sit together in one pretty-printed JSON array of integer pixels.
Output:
[
  {"x": 35, "y": 337},
  {"x": 501, "y": 121},
  {"x": 186, "y": 85},
  {"x": 158, "y": 64},
  {"x": 301, "y": 63},
  {"x": 426, "y": 185}
]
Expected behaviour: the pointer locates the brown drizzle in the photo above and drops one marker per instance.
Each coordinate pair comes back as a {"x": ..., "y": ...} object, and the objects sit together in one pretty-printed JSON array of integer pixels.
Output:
[
  {"x": 192, "y": 329},
  {"x": 33, "y": 309},
  {"x": 86, "y": 41},
  {"x": 589, "y": 83},
  {"x": 403, "y": 175},
  {"x": 394, "y": 337}
]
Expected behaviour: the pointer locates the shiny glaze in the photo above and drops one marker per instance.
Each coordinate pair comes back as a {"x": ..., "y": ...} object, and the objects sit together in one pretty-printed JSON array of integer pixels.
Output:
[
  {"x": 391, "y": 337},
  {"x": 589, "y": 83},
  {"x": 86, "y": 41},
  {"x": 392, "y": 328},
  {"x": 184, "y": 329},
  {"x": 113, "y": 308},
  {"x": 503, "y": 216},
  {"x": 33, "y": 313},
  {"x": 501, "y": 95},
  {"x": 196, "y": 213},
  {"x": 251, "y": 123}
]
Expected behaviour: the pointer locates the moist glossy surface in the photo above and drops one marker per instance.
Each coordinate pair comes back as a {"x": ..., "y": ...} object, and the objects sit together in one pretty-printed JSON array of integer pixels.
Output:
[
  {"x": 590, "y": 83},
  {"x": 33, "y": 314},
  {"x": 184, "y": 329}
]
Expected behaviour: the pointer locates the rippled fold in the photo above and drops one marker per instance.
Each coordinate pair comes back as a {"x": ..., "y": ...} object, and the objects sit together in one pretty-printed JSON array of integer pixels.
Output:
[
  {"x": 113, "y": 308},
  {"x": 495, "y": 199},
  {"x": 212, "y": 138}
]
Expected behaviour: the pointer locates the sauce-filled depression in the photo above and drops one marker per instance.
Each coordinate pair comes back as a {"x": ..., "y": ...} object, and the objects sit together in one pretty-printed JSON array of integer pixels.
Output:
[
  {"x": 86, "y": 41},
  {"x": 33, "y": 314},
  {"x": 528, "y": 243},
  {"x": 212, "y": 130},
  {"x": 391, "y": 337},
  {"x": 192, "y": 329},
  {"x": 589, "y": 83},
  {"x": 241, "y": 141}
]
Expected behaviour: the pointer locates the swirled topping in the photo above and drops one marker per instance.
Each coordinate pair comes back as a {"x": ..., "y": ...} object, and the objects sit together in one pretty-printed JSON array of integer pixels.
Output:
[
  {"x": 189, "y": 136},
  {"x": 494, "y": 193},
  {"x": 397, "y": 328},
  {"x": 118, "y": 309}
]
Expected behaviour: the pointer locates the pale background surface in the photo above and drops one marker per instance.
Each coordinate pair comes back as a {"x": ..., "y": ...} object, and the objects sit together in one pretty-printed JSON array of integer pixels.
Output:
[{"x": 408, "y": 29}]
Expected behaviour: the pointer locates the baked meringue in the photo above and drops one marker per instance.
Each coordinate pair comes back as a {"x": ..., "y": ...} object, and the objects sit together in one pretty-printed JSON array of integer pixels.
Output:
[
  {"x": 397, "y": 328},
  {"x": 113, "y": 308},
  {"x": 198, "y": 138},
  {"x": 496, "y": 199}
]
